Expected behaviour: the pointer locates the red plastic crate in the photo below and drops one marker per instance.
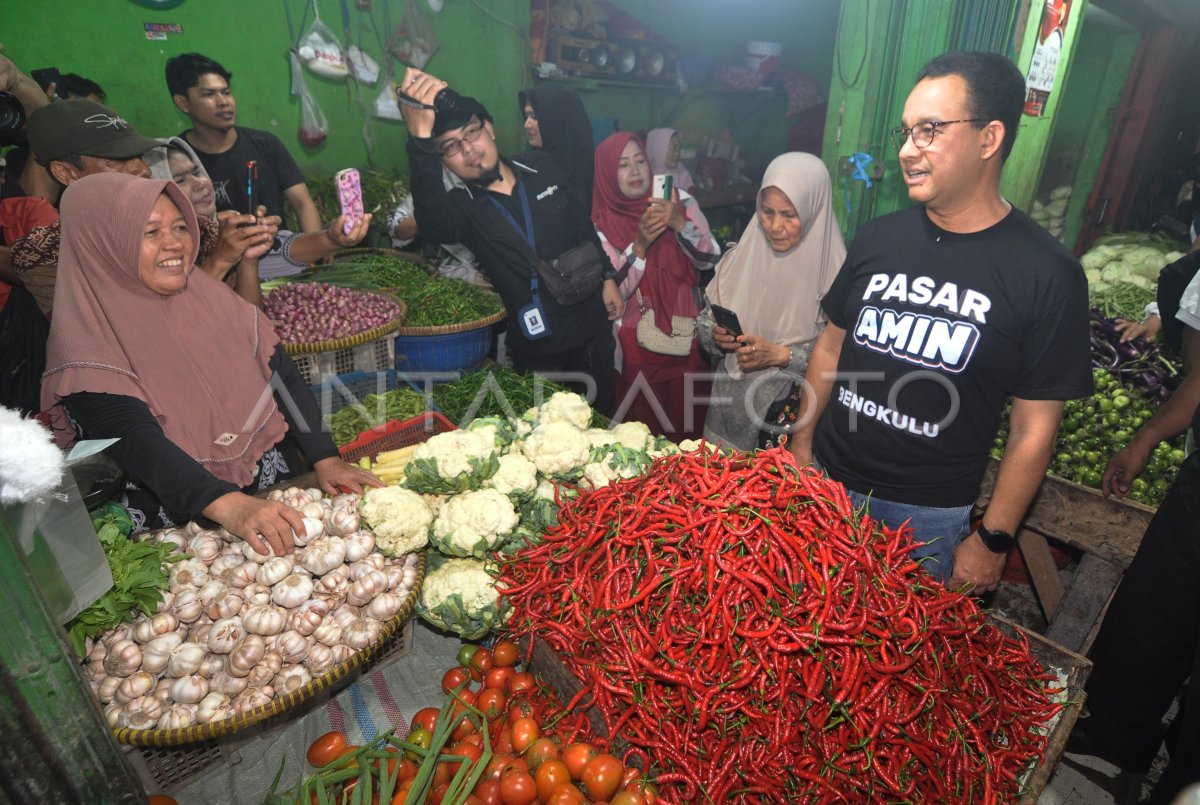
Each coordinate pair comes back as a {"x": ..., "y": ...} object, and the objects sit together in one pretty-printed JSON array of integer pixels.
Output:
[{"x": 396, "y": 434}]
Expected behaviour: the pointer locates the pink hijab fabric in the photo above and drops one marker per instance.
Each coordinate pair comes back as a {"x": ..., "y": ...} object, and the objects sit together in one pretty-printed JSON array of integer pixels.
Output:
[
  {"x": 198, "y": 359},
  {"x": 658, "y": 142},
  {"x": 778, "y": 296}
]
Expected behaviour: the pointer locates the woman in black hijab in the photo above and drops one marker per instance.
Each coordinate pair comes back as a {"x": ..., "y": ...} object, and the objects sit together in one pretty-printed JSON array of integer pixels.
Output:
[{"x": 555, "y": 121}]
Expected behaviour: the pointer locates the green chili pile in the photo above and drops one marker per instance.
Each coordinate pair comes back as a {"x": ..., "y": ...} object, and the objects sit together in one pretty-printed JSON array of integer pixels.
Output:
[{"x": 752, "y": 638}]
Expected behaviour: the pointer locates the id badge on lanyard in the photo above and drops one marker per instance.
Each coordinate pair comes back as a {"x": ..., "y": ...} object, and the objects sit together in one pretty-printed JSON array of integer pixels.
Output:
[{"x": 531, "y": 318}]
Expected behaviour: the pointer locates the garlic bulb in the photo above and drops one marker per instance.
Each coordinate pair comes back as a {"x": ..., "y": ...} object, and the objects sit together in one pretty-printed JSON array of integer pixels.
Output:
[
  {"x": 256, "y": 594},
  {"x": 157, "y": 652},
  {"x": 224, "y": 563},
  {"x": 211, "y": 589},
  {"x": 274, "y": 569},
  {"x": 296, "y": 498},
  {"x": 122, "y": 632},
  {"x": 187, "y": 606},
  {"x": 211, "y": 665},
  {"x": 226, "y": 604},
  {"x": 252, "y": 698},
  {"x": 142, "y": 713},
  {"x": 200, "y": 631},
  {"x": 146, "y": 630},
  {"x": 319, "y": 659},
  {"x": 189, "y": 689},
  {"x": 341, "y": 653},
  {"x": 124, "y": 658},
  {"x": 313, "y": 529},
  {"x": 265, "y": 671},
  {"x": 361, "y": 633},
  {"x": 324, "y": 554},
  {"x": 241, "y": 575},
  {"x": 384, "y": 606},
  {"x": 308, "y": 616},
  {"x": 212, "y": 704},
  {"x": 245, "y": 655},
  {"x": 275, "y": 494},
  {"x": 192, "y": 529},
  {"x": 177, "y": 717},
  {"x": 343, "y": 522},
  {"x": 345, "y": 615},
  {"x": 113, "y": 713},
  {"x": 225, "y": 635},
  {"x": 292, "y": 646},
  {"x": 134, "y": 686},
  {"x": 314, "y": 511},
  {"x": 173, "y": 536},
  {"x": 185, "y": 659},
  {"x": 291, "y": 678},
  {"x": 264, "y": 619},
  {"x": 346, "y": 500},
  {"x": 96, "y": 667},
  {"x": 254, "y": 556},
  {"x": 107, "y": 689},
  {"x": 329, "y": 633},
  {"x": 223, "y": 682},
  {"x": 205, "y": 547},
  {"x": 96, "y": 651},
  {"x": 292, "y": 591},
  {"x": 366, "y": 588},
  {"x": 188, "y": 573},
  {"x": 375, "y": 560}
]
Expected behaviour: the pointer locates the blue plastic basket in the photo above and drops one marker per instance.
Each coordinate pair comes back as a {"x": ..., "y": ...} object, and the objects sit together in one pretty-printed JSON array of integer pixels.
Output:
[
  {"x": 353, "y": 386},
  {"x": 443, "y": 353}
]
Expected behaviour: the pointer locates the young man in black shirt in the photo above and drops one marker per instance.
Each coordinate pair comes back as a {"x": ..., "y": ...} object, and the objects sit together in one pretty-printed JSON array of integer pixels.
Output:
[
  {"x": 501, "y": 202},
  {"x": 200, "y": 89},
  {"x": 940, "y": 313}
]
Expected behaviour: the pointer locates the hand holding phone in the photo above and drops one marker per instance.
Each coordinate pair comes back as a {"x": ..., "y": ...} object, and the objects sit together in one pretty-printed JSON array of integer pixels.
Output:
[
  {"x": 349, "y": 189},
  {"x": 727, "y": 319}
]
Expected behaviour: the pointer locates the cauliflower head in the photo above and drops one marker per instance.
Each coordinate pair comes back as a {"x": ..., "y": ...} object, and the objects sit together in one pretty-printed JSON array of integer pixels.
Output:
[
  {"x": 557, "y": 448},
  {"x": 496, "y": 428},
  {"x": 399, "y": 517},
  {"x": 598, "y": 474},
  {"x": 566, "y": 406},
  {"x": 459, "y": 595},
  {"x": 600, "y": 437},
  {"x": 455, "y": 461},
  {"x": 474, "y": 523},
  {"x": 517, "y": 475},
  {"x": 634, "y": 435}
]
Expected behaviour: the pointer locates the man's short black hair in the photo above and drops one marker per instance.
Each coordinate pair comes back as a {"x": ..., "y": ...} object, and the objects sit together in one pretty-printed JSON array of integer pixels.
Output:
[
  {"x": 76, "y": 86},
  {"x": 995, "y": 87},
  {"x": 184, "y": 71}
]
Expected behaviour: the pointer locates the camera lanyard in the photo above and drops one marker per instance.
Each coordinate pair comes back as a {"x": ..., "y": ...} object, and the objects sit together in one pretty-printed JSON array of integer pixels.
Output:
[{"x": 525, "y": 232}]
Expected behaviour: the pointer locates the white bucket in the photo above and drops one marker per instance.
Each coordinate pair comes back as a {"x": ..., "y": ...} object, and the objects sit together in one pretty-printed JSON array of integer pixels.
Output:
[{"x": 763, "y": 56}]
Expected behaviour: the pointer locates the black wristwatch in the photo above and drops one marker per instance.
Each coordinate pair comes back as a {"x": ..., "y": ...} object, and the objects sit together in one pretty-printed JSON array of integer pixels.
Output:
[{"x": 996, "y": 541}]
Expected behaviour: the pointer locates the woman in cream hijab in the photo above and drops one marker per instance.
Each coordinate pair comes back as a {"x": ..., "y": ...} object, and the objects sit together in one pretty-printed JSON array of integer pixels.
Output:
[{"x": 773, "y": 279}]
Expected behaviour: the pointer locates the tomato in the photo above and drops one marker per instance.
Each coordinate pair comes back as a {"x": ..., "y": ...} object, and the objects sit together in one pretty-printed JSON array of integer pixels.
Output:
[
  {"x": 438, "y": 794},
  {"x": 471, "y": 751},
  {"x": 455, "y": 677},
  {"x": 524, "y": 732},
  {"x": 347, "y": 796},
  {"x": 465, "y": 653},
  {"x": 523, "y": 680},
  {"x": 632, "y": 773},
  {"x": 426, "y": 718},
  {"x": 481, "y": 663},
  {"x": 602, "y": 776},
  {"x": 628, "y": 797},
  {"x": 548, "y": 775},
  {"x": 576, "y": 756},
  {"x": 465, "y": 727},
  {"x": 520, "y": 708},
  {"x": 500, "y": 678},
  {"x": 517, "y": 787},
  {"x": 566, "y": 794},
  {"x": 646, "y": 789},
  {"x": 387, "y": 766},
  {"x": 402, "y": 793},
  {"x": 491, "y": 701},
  {"x": 539, "y": 751},
  {"x": 472, "y": 800},
  {"x": 474, "y": 738},
  {"x": 327, "y": 748},
  {"x": 496, "y": 765},
  {"x": 488, "y": 791},
  {"x": 441, "y": 773},
  {"x": 505, "y": 654},
  {"x": 504, "y": 741},
  {"x": 349, "y": 761},
  {"x": 407, "y": 771},
  {"x": 419, "y": 737}
]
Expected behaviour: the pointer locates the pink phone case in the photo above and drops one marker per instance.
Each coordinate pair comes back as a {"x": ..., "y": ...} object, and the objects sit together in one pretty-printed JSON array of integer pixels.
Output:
[{"x": 349, "y": 188}]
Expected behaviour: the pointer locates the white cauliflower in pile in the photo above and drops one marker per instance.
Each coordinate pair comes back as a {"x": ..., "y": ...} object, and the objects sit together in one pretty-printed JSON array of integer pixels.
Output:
[
  {"x": 400, "y": 519},
  {"x": 557, "y": 448},
  {"x": 634, "y": 435},
  {"x": 474, "y": 523},
  {"x": 453, "y": 451},
  {"x": 565, "y": 406},
  {"x": 599, "y": 437},
  {"x": 598, "y": 474},
  {"x": 517, "y": 475},
  {"x": 545, "y": 490},
  {"x": 459, "y": 595}
]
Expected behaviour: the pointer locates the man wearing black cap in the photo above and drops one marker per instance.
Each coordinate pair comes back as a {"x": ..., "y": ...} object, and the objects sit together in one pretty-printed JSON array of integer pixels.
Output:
[{"x": 510, "y": 213}]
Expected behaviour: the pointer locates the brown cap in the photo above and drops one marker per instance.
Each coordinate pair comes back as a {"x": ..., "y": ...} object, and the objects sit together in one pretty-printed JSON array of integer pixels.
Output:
[{"x": 84, "y": 127}]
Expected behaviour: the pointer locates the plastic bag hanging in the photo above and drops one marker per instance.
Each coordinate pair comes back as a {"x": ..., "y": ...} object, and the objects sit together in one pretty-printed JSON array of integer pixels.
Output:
[
  {"x": 386, "y": 107},
  {"x": 413, "y": 41},
  {"x": 314, "y": 128},
  {"x": 320, "y": 50}
]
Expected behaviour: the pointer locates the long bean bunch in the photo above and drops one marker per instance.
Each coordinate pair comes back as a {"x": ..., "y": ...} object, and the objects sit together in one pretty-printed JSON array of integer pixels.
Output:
[{"x": 752, "y": 638}]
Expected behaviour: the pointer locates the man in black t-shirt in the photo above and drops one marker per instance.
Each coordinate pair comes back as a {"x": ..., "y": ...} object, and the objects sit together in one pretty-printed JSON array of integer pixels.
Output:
[
  {"x": 940, "y": 313},
  {"x": 200, "y": 89},
  {"x": 500, "y": 206}
]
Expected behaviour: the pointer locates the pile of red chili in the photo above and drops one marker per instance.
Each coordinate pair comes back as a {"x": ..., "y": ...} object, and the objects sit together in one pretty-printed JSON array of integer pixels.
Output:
[{"x": 750, "y": 637}]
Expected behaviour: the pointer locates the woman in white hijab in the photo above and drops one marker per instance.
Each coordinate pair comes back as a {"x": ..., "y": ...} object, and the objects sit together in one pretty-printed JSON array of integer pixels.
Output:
[{"x": 773, "y": 279}]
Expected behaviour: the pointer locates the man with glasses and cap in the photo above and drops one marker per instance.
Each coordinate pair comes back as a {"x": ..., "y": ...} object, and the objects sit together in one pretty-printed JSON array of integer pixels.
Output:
[
  {"x": 940, "y": 314},
  {"x": 509, "y": 212}
]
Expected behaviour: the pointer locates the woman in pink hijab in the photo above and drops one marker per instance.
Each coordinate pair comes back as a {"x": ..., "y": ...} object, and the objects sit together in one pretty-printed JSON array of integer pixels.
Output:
[
  {"x": 662, "y": 149},
  {"x": 189, "y": 377}
]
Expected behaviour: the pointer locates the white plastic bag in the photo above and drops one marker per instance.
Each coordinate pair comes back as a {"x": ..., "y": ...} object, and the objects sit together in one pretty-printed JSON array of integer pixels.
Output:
[
  {"x": 321, "y": 52},
  {"x": 414, "y": 41},
  {"x": 386, "y": 107},
  {"x": 314, "y": 128},
  {"x": 364, "y": 68}
]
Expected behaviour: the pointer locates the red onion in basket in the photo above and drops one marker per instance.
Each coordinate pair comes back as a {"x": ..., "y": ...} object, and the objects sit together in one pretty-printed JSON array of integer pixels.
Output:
[{"x": 305, "y": 312}]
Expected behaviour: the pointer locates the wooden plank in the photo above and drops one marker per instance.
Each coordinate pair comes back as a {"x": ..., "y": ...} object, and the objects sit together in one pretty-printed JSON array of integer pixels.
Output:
[
  {"x": 1081, "y": 517},
  {"x": 1093, "y": 585},
  {"x": 1043, "y": 572}
]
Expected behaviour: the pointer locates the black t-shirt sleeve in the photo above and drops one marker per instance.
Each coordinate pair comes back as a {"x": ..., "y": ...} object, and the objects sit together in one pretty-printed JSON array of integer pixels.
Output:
[
  {"x": 1056, "y": 351},
  {"x": 288, "y": 173},
  {"x": 1172, "y": 281},
  {"x": 301, "y": 411},
  {"x": 144, "y": 452}
]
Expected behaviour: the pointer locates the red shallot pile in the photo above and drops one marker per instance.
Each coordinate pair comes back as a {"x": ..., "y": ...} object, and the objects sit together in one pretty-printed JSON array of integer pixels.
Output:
[
  {"x": 304, "y": 312},
  {"x": 749, "y": 637}
]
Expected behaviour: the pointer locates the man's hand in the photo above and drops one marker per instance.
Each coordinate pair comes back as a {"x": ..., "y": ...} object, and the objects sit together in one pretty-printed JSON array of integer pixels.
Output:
[
  {"x": 424, "y": 88},
  {"x": 333, "y": 473},
  {"x": 261, "y": 523},
  {"x": 976, "y": 569},
  {"x": 1148, "y": 329},
  {"x": 614, "y": 303},
  {"x": 238, "y": 233},
  {"x": 10, "y": 74},
  {"x": 1123, "y": 467}
]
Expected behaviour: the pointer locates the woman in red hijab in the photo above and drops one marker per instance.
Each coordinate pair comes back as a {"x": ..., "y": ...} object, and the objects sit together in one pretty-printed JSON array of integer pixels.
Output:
[{"x": 658, "y": 248}]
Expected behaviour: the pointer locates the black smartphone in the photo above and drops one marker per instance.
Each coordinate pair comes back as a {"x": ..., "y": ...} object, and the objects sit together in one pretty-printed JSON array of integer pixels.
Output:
[
  {"x": 252, "y": 187},
  {"x": 47, "y": 76},
  {"x": 727, "y": 319}
]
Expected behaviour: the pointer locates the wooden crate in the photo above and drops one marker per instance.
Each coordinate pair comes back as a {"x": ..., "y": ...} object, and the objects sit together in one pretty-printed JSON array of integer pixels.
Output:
[{"x": 549, "y": 668}]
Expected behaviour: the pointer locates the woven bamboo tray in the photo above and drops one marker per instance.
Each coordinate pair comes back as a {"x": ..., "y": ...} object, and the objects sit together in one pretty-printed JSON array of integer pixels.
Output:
[{"x": 288, "y": 704}]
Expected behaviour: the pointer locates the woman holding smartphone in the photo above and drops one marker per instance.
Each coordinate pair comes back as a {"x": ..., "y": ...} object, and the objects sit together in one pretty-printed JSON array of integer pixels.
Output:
[
  {"x": 658, "y": 247},
  {"x": 773, "y": 280}
]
